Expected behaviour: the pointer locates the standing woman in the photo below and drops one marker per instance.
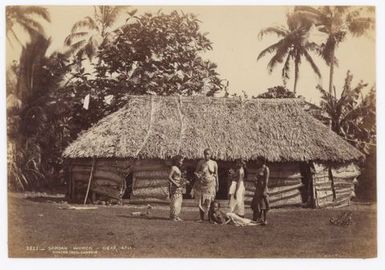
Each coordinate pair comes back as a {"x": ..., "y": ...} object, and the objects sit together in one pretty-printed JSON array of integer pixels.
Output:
[
  {"x": 207, "y": 184},
  {"x": 176, "y": 188},
  {"x": 237, "y": 190},
  {"x": 260, "y": 202}
]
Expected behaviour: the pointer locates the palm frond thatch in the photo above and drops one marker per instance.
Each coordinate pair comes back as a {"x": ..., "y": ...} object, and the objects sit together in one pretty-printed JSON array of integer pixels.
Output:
[{"x": 149, "y": 127}]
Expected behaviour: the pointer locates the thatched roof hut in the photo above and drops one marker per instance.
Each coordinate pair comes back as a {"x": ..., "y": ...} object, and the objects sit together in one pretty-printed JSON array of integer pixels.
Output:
[
  {"x": 151, "y": 127},
  {"x": 149, "y": 130}
]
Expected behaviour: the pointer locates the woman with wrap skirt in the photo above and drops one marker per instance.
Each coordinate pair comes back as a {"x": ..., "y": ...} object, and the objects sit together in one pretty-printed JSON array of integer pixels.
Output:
[
  {"x": 260, "y": 203},
  {"x": 206, "y": 184},
  {"x": 176, "y": 188}
]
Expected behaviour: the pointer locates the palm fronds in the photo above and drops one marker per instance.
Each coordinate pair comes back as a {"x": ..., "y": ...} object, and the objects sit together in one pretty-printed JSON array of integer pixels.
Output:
[
  {"x": 90, "y": 32},
  {"x": 337, "y": 22},
  {"x": 293, "y": 45},
  {"x": 28, "y": 18}
]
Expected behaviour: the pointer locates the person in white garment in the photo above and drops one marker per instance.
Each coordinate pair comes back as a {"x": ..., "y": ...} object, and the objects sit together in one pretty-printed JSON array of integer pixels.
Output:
[{"x": 237, "y": 190}]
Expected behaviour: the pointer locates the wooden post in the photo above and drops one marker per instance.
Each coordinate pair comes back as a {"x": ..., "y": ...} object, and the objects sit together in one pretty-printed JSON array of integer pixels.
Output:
[
  {"x": 72, "y": 181},
  {"x": 68, "y": 177},
  {"x": 332, "y": 182},
  {"x": 90, "y": 179}
]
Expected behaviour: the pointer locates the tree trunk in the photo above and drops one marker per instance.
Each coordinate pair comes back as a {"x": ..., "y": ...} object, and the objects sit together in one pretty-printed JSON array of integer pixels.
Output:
[
  {"x": 296, "y": 67},
  {"x": 331, "y": 74}
]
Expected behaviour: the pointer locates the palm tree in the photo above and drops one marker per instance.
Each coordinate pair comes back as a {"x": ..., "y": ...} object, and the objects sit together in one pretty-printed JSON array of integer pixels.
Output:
[
  {"x": 90, "y": 32},
  {"x": 293, "y": 45},
  {"x": 24, "y": 17},
  {"x": 336, "y": 22}
]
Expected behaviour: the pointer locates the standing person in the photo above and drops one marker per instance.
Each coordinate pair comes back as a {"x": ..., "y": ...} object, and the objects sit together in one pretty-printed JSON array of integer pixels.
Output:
[
  {"x": 176, "y": 188},
  {"x": 237, "y": 190},
  {"x": 206, "y": 184},
  {"x": 260, "y": 202}
]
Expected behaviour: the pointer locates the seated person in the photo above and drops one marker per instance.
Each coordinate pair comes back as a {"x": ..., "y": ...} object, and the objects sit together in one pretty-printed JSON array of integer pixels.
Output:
[{"x": 216, "y": 216}]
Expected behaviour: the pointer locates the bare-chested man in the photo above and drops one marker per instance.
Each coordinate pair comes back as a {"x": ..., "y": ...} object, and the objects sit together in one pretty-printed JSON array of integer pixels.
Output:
[{"x": 206, "y": 184}]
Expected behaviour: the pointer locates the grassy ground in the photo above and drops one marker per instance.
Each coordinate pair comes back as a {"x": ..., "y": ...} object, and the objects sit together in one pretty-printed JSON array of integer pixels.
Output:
[{"x": 41, "y": 228}]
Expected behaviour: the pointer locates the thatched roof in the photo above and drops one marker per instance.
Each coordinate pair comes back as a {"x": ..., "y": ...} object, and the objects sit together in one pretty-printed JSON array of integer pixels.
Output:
[{"x": 161, "y": 127}]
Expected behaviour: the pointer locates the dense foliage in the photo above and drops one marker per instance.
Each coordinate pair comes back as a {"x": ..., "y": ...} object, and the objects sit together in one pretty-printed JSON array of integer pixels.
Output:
[
  {"x": 150, "y": 54},
  {"x": 158, "y": 54},
  {"x": 352, "y": 115}
]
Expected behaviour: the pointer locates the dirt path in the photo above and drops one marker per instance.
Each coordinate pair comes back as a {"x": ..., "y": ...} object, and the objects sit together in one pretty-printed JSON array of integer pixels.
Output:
[{"x": 45, "y": 229}]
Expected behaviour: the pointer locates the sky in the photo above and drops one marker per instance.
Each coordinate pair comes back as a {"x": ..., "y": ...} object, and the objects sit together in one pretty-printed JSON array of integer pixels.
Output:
[{"x": 233, "y": 31}]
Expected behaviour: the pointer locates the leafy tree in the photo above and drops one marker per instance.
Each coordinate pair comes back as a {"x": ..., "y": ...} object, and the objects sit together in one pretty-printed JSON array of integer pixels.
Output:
[
  {"x": 149, "y": 55},
  {"x": 352, "y": 116},
  {"x": 291, "y": 48},
  {"x": 25, "y": 17},
  {"x": 90, "y": 32},
  {"x": 336, "y": 23},
  {"x": 277, "y": 92},
  {"x": 158, "y": 54}
]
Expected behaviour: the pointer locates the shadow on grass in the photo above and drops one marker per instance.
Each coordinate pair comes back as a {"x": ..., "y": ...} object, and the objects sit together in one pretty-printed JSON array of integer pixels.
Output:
[{"x": 47, "y": 199}]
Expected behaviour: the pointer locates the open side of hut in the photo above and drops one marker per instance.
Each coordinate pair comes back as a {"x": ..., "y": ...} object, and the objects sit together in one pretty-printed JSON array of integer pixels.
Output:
[{"x": 129, "y": 151}]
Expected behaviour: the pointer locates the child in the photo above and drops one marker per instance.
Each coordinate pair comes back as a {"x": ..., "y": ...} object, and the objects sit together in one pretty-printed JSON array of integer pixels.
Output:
[
  {"x": 260, "y": 202},
  {"x": 176, "y": 188}
]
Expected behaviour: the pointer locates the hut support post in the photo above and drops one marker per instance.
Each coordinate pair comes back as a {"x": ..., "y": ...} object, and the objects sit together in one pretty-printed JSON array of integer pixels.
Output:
[
  {"x": 332, "y": 180},
  {"x": 90, "y": 179}
]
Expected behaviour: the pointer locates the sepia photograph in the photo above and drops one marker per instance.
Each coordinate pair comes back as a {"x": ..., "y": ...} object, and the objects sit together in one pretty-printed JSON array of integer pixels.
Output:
[{"x": 191, "y": 131}]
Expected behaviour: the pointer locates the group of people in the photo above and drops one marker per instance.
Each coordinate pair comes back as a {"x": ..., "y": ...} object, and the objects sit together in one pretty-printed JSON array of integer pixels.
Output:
[{"x": 206, "y": 186}]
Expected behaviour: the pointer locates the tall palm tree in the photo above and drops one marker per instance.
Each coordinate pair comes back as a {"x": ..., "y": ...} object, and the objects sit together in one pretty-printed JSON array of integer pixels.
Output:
[
  {"x": 293, "y": 46},
  {"x": 27, "y": 17},
  {"x": 336, "y": 22},
  {"x": 90, "y": 32}
]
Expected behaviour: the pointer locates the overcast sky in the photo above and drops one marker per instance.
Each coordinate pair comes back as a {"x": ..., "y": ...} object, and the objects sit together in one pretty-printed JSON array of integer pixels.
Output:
[{"x": 234, "y": 33}]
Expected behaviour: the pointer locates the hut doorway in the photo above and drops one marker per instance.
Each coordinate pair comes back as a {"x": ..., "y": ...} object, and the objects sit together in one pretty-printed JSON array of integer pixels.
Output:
[
  {"x": 129, "y": 182},
  {"x": 307, "y": 194},
  {"x": 224, "y": 181}
]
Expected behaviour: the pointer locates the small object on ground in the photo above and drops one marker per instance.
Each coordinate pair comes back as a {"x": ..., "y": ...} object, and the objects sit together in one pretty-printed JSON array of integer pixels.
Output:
[
  {"x": 345, "y": 219},
  {"x": 110, "y": 233},
  {"x": 40, "y": 215},
  {"x": 140, "y": 214},
  {"x": 136, "y": 214},
  {"x": 148, "y": 212}
]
